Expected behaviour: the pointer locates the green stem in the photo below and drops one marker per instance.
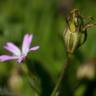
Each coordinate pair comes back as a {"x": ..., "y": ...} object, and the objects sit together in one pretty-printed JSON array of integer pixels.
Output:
[
  {"x": 31, "y": 84},
  {"x": 62, "y": 76},
  {"x": 29, "y": 80}
]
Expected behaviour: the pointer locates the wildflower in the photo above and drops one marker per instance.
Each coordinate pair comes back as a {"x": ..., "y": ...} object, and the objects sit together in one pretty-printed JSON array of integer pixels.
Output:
[{"x": 19, "y": 55}]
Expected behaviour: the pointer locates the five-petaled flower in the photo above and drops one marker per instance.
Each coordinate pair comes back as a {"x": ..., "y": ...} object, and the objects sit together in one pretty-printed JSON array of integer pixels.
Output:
[{"x": 18, "y": 54}]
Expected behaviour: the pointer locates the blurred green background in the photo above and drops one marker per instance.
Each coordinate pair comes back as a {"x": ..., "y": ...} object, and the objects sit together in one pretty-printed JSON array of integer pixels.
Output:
[{"x": 45, "y": 20}]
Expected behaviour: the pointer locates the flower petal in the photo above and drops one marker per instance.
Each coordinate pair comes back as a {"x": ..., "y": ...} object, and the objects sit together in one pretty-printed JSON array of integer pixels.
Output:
[
  {"x": 26, "y": 43},
  {"x": 6, "y": 58},
  {"x": 34, "y": 48},
  {"x": 12, "y": 48}
]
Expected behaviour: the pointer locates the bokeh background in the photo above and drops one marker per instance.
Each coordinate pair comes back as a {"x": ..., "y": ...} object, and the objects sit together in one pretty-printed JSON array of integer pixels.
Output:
[{"x": 45, "y": 20}]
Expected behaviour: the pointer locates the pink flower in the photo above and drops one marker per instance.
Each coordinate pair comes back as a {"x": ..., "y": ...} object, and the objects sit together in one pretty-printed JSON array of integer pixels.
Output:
[{"x": 18, "y": 54}]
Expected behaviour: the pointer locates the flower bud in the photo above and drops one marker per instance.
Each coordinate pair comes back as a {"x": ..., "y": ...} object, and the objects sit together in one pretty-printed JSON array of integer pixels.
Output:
[
  {"x": 74, "y": 35},
  {"x": 73, "y": 40}
]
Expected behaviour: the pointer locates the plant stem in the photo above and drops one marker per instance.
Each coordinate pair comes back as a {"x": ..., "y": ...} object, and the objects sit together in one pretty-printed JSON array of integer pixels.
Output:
[
  {"x": 62, "y": 76},
  {"x": 31, "y": 84},
  {"x": 29, "y": 80}
]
